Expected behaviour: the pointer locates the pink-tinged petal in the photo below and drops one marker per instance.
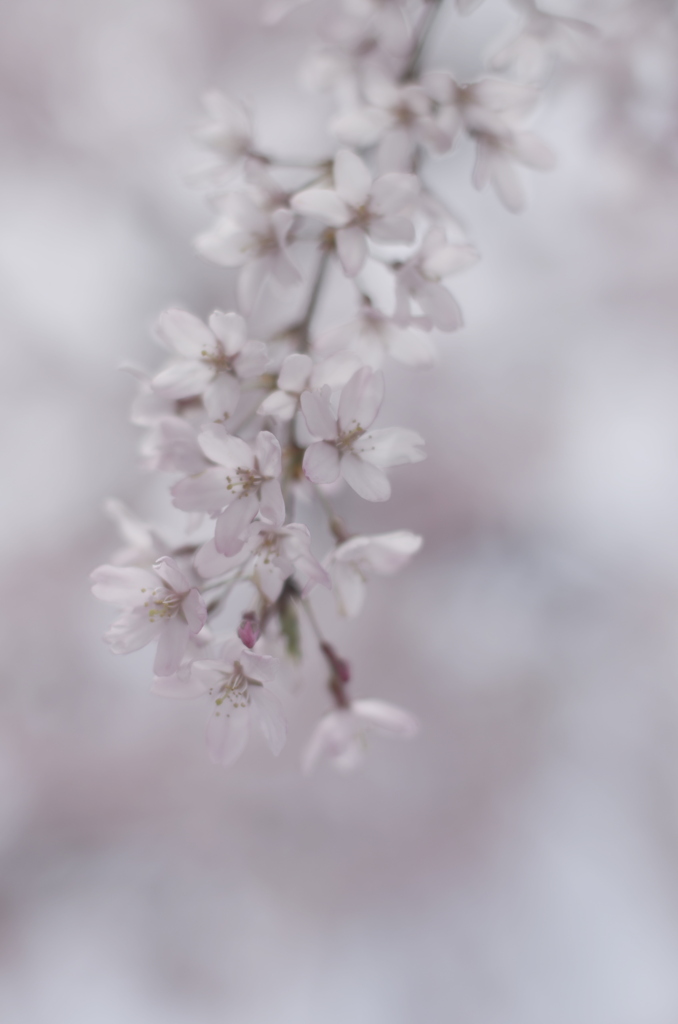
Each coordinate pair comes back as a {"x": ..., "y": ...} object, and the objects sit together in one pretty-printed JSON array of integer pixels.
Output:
[
  {"x": 183, "y": 380},
  {"x": 230, "y": 329},
  {"x": 361, "y": 400},
  {"x": 125, "y": 586},
  {"x": 349, "y": 588},
  {"x": 222, "y": 396},
  {"x": 295, "y": 372},
  {"x": 392, "y": 192},
  {"x": 170, "y": 573},
  {"x": 280, "y": 405},
  {"x": 480, "y": 175},
  {"x": 321, "y": 463},
  {"x": 391, "y": 446},
  {"x": 210, "y": 563},
  {"x": 269, "y": 578},
  {"x": 533, "y": 151},
  {"x": 231, "y": 529},
  {"x": 320, "y": 419},
  {"x": 179, "y": 686},
  {"x": 228, "y": 451},
  {"x": 392, "y": 229},
  {"x": 206, "y": 492},
  {"x": 195, "y": 610},
  {"x": 252, "y": 277},
  {"x": 260, "y": 667},
  {"x": 172, "y": 446},
  {"x": 352, "y": 178},
  {"x": 332, "y": 737},
  {"x": 225, "y": 245},
  {"x": 231, "y": 651},
  {"x": 361, "y": 127},
  {"x": 387, "y": 719},
  {"x": 272, "y": 503},
  {"x": 370, "y": 482},
  {"x": 437, "y": 303},
  {"x": 268, "y": 454},
  {"x": 284, "y": 270},
  {"x": 447, "y": 259},
  {"x": 271, "y": 717},
  {"x": 209, "y": 674},
  {"x": 251, "y": 362},
  {"x": 351, "y": 249},
  {"x": 131, "y": 631},
  {"x": 171, "y": 646},
  {"x": 184, "y": 334},
  {"x": 384, "y": 553},
  {"x": 227, "y": 732},
  {"x": 323, "y": 203}
]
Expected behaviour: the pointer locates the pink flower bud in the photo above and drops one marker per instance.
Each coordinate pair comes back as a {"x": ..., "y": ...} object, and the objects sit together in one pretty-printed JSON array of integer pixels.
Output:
[{"x": 248, "y": 631}]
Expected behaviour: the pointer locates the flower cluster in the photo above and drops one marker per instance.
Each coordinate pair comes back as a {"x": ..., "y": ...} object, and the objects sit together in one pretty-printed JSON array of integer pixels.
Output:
[{"x": 252, "y": 429}]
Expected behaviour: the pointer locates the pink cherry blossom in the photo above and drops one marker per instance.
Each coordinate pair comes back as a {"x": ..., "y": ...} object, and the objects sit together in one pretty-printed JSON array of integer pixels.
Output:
[
  {"x": 342, "y": 735},
  {"x": 352, "y": 563},
  {"x": 158, "y": 604},
  {"x": 359, "y": 208},
  {"x": 346, "y": 446}
]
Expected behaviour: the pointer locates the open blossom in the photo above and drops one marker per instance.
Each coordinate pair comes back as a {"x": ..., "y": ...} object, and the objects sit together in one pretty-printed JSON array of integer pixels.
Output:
[
  {"x": 359, "y": 208},
  {"x": 251, "y": 234},
  {"x": 244, "y": 482},
  {"x": 158, "y": 604},
  {"x": 419, "y": 278},
  {"x": 238, "y": 682},
  {"x": 342, "y": 735},
  {"x": 271, "y": 554},
  {"x": 347, "y": 447},
  {"x": 226, "y": 130},
  {"x": 211, "y": 360},
  {"x": 352, "y": 563},
  {"x": 495, "y": 159},
  {"x": 299, "y": 373},
  {"x": 373, "y": 335}
]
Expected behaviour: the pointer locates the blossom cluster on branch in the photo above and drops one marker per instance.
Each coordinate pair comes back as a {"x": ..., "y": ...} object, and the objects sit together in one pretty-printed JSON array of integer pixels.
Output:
[{"x": 250, "y": 429}]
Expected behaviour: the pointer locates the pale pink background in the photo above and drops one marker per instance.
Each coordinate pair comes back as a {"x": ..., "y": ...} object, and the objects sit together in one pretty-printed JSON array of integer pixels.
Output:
[{"x": 518, "y": 863}]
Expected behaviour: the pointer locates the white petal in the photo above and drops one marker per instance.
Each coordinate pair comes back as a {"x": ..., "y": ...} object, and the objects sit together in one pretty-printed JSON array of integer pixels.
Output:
[
  {"x": 194, "y": 609},
  {"x": 392, "y": 192},
  {"x": 367, "y": 480},
  {"x": 390, "y": 446},
  {"x": 349, "y": 588},
  {"x": 323, "y": 203},
  {"x": 321, "y": 463},
  {"x": 210, "y": 563},
  {"x": 392, "y": 229},
  {"x": 168, "y": 571},
  {"x": 222, "y": 396},
  {"x": 132, "y": 631},
  {"x": 279, "y": 404},
  {"x": 331, "y": 737},
  {"x": 352, "y": 178},
  {"x": 295, "y": 372},
  {"x": 179, "y": 686},
  {"x": 507, "y": 184},
  {"x": 268, "y": 454},
  {"x": 185, "y": 334},
  {"x": 231, "y": 528},
  {"x": 361, "y": 400},
  {"x": 272, "y": 503},
  {"x": 227, "y": 732},
  {"x": 320, "y": 419},
  {"x": 230, "y": 330},
  {"x": 252, "y": 359},
  {"x": 252, "y": 277},
  {"x": 229, "y": 249},
  {"x": 362, "y": 127},
  {"x": 413, "y": 349},
  {"x": 183, "y": 379},
  {"x": 440, "y": 306},
  {"x": 171, "y": 646},
  {"x": 261, "y": 667},
  {"x": 203, "y": 493},
  {"x": 388, "y": 719},
  {"x": 228, "y": 451},
  {"x": 125, "y": 586},
  {"x": 351, "y": 249},
  {"x": 271, "y": 717}
]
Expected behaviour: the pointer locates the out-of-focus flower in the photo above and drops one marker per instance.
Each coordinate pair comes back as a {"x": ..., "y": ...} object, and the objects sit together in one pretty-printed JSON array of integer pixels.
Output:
[
  {"x": 342, "y": 735},
  {"x": 352, "y": 563}
]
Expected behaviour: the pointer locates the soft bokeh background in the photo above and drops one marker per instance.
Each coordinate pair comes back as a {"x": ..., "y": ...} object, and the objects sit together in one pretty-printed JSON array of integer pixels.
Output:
[{"x": 519, "y": 862}]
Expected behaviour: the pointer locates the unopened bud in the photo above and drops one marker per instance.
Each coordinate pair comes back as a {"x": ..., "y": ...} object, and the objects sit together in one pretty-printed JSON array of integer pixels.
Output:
[{"x": 248, "y": 631}]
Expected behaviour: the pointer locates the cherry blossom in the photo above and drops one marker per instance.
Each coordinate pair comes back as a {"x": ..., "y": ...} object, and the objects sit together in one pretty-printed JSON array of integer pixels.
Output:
[
  {"x": 359, "y": 208},
  {"x": 342, "y": 735},
  {"x": 419, "y": 279},
  {"x": 244, "y": 482},
  {"x": 158, "y": 604},
  {"x": 352, "y": 563},
  {"x": 347, "y": 447}
]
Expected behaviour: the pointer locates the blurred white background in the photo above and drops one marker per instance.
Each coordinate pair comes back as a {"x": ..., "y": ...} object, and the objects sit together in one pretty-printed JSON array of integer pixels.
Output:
[{"x": 518, "y": 864}]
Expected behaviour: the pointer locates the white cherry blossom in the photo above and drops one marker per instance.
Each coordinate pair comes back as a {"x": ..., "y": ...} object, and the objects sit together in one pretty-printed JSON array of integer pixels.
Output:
[
  {"x": 373, "y": 335},
  {"x": 346, "y": 446},
  {"x": 352, "y": 563},
  {"x": 244, "y": 482},
  {"x": 342, "y": 735},
  {"x": 359, "y": 208},
  {"x": 419, "y": 279},
  {"x": 211, "y": 360},
  {"x": 226, "y": 130},
  {"x": 238, "y": 682},
  {"x": 158, "y": 604}
]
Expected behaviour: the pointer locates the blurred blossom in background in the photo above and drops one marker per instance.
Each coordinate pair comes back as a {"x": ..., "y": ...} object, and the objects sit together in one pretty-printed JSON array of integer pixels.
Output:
[{"x": 516, "y": 864}]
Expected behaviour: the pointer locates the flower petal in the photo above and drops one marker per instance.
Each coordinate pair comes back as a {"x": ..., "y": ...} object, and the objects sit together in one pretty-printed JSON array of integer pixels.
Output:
[
  {"x": 222, "y": 396},
  {"x": 367, "y": 480},
  {"x": 388, "y": 719},
  {"x": 228, "y": 451},
  {"x": 360, "y": 400},
  {"x": 195, "y": 610},
  {"x": 206, "y": 492},
  {"x": 321, "y": 462},
  {"x": 227, "y": 732},
  {"x": 170, "y": 573},
  {"x": 295, "y": 372},
  {"x": 272, "y": 503},
  {"x": 271, "y": 716},
  {"x": 352, "y": 178},
  {"x": 323, "y": 203},
  {"x": 125, "y": 586},
  {"x": 268, "y": 454},
  {"x": 230, "y": 329},
  {"x": 351, "y": 249},
  {"x": 231, "y": 529},
  {"x": 185, "y": 334},
  {"x": 171, "y": 646}
]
